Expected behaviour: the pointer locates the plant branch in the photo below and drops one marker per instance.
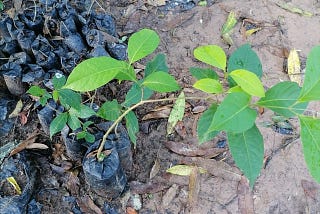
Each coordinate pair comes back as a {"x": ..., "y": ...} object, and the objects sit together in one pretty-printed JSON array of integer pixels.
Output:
[{"x": 118, "y": 120}]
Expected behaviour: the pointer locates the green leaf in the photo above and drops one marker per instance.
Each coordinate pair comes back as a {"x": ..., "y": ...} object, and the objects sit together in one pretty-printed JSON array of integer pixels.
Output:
[
  {"x": 202, "y": 73},
  {"x": 89, "y": 137},
  {"x": 110, "y": 110},
  {"x": 135, "y": 93},
  {"x": 234, "y": 114},
  {"x": 209, "y": 85},
  {"x": 282, "y": 99},
  {"x": 127, "y": 73},
  {"x": 176, "y": 113},
  {"x": 58, "y": 81},
  {"x": 311, "y": 86},
  {"x": 132, "y": 126},
  {"x": 81, "y": 135},
  {"x": 36, "y": 91},
  {"x": 212, "y": 55},
  {"x": 92, "y": 73},
  {"x": 58, "y": 123},
  {"x": 161, "y": 82},
  {"x": 230, "y": 23},
  {"x": 157, "y": 64},
  {"x": 244, "y": 58},
  {"x": 73, "y": 122},
  {"x": 141, "y": 44},
  {"x": 84, "y": 111},
  {"x": 247, "y": 151},
  {"x": 1, "y": 5},
  {"x": 248, "y": 81},
  {"x": 204, "y": 123},
  {"x": 68, "y": 97},
  {"x": 44, "y": 99},
  {"x": 310, "y": 137},
  {"x": 87, "y": 124}
]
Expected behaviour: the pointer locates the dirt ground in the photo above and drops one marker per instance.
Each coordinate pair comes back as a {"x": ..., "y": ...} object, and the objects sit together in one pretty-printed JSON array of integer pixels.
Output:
[{"x": 284, "y": 185}]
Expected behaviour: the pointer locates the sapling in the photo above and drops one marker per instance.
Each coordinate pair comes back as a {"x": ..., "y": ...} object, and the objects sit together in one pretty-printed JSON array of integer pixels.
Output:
[{"x": 235, "y": 114}]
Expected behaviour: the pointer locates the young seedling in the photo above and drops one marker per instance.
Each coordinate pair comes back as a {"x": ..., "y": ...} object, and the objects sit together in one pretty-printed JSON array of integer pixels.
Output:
[{"x": 235, "y": 114}]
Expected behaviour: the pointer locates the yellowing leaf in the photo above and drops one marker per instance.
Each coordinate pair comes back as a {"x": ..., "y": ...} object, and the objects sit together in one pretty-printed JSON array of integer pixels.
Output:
[
  {"x": 252, "y": 31},
  {"x": 17, "y": 109},
  {"x": 177, "y": 113},
  {"x": 294, "y": 67},
  {"x": 184, "y": 170},
  {"x": 14, "y": 183},
  {"x": 230, "y": 23},
  {"x": 293, "y": 9}
]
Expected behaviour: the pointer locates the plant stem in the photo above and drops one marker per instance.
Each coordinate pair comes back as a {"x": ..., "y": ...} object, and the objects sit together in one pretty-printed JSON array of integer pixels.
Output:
[{"x": 118, "y": 120}]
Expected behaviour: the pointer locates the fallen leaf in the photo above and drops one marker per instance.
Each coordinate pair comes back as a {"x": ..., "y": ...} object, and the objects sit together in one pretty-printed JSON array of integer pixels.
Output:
[
  {"x": 245, "y": 199},
  {"x": 169, "y": 195},
  {"x": 155, "y": 169},
  {"x": 227, "y": 28},
  {"x": 130, "y": 210},
  {"x": 294, "y": 9},
  {"x": 87, "y": 205},
  {"x": 294, "y": 71},
  {"x": 15, "y": 185},
  {"x": 149, "y": 188},
  {"x": 37, "y": 146},
  {"x": 184, "y": 170},
  {"x": 73, "y": 183},
  {"x": 310, "y": 189},
  {"x": 17, "y": 110},
  {"x": 158, "y": 113},
  {"x": 194, "y": 187},
  {"x": 156, "y": 3},
  {"x": 176, "y": 113},
  {"x": 192, "y": 150},
  {"x": 252, "y": 31},
  {"x": 181, "y": 129},
  {"x": 30, "y": 140},
  {"x": 23, "y": 118},
  {"x": 199, "y": 109},
  {"x": 177, "y": 20},
  {"x": 215, "y": 168}
]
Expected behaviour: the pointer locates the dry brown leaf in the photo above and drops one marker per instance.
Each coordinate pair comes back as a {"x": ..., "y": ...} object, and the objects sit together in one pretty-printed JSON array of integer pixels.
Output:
[
  {"x": 170, "y": 194},
  {"x": 30, "y": 140},
  {"x": 192, "y": 150},
  {"x": 155, "y": 169},
  {"x": 156, "y": 3},
  {"x": 158, "y": 113},
  {"x": 87, "y": 205},
  {"x": 180, "y": 129},
  {"x": 37, "y": 146},
  {"x": 194, "y": 187},
  {"x": 199, "y": 109},
  {"x": 245, "y": 199},
  {"x": 141, "y": 188},
  {"x": 177, "y": 20},
  {"x": 73, "y": 182},
  {"x": 130, "y": 210},
  {"x": 216, "y": 168}
]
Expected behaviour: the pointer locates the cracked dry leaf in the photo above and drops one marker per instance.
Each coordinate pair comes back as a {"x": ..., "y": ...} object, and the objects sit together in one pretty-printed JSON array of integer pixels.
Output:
[
  {"x": 194, "y": 187},
  {"x": 176, "y": 113},
  {"x": 294, "y": 70}
]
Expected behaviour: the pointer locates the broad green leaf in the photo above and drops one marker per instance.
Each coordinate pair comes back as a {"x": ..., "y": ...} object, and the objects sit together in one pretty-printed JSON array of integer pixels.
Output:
[
  {"x": 161, "y": 82},
  {"x": 87, "y": 124},
  {"x": 110, "y": 110},
  {"x": 310, "y": 137},
  {"x": 92, "y": 73},
  {"x": 43, "y": 99},
  {"x": 127, "y": 73},
  {"x": 244, "y": 58},
  {"x": 202, "y": 73},
  {"x": 36, "y": 91},
  {"x": 68, "y": 97},
  {"x": 311, "y": 86},
  {"x": 176, "y": 113},
  {"x": 81, "y": 135},
  {"x": 135, "y": 93},
  {"x": 235, "y": 89},
  {"x": 248, "y": 81},
  {"x": 141, "y": 44},
  {"x": 89, "y": 137},
  {"x": 58, "y": 81},
  {"x": 73, "y": 122},
  {"x": 183, "y": 170},
  {"x": 204, "y": 123},
  {"x": 247, "y": 151},
  {"x": 132, "y": 126},
  {"x": 212, "y": 55},
  {"x": 58, "y": 123},
  {"x": 157, "y": 64},
  {"x": 84, "y": 111},
  {"x": 282, "y": 98},
  {"x": 209, "y": 85},
  {"x": 234, "y": 114}
]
